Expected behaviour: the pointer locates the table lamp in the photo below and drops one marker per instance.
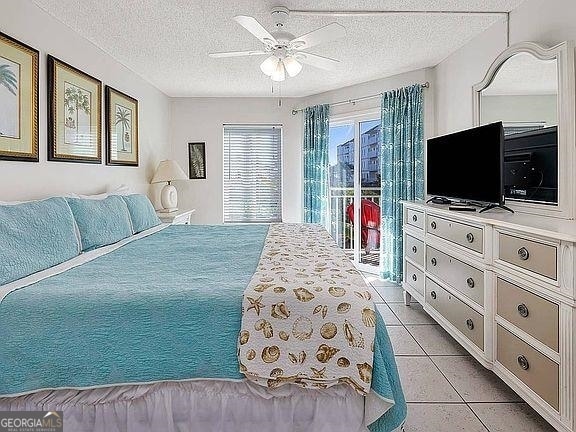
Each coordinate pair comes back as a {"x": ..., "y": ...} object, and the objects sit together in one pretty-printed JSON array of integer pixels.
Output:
[{"x": 167, "y": 171}]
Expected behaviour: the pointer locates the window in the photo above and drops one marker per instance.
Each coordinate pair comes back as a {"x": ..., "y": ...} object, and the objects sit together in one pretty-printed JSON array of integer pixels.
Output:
[{"x": 252, "y": 173}]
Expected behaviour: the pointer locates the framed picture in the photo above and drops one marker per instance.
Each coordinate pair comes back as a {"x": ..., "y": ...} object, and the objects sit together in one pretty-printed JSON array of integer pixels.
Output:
[
  {"x": 121, "y": 128},
  {"x": 18, "y": 100},
  {"x": 74, "y": 114},
  {"x": 197, "y": 160}
]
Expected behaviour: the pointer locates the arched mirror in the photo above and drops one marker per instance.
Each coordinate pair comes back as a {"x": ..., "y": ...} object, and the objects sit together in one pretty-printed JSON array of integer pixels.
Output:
[{"x": 530, "y": 89}]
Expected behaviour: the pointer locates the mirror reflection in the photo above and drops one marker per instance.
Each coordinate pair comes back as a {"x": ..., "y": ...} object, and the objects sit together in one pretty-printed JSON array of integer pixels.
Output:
[{"x": 524, "y": 97}]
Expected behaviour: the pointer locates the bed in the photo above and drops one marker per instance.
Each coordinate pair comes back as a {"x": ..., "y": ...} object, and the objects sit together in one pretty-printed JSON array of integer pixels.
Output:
[{"x": 142, "y": 335}]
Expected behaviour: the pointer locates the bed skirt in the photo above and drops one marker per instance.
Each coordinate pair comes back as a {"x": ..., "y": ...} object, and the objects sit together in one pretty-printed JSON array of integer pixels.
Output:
[{"x": 202, "y": 405}]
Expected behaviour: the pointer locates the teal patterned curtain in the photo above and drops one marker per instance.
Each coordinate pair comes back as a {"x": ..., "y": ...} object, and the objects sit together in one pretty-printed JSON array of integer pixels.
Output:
[
  {"x": 316, "y": 135},
  {"x": 402, "y": 166}
]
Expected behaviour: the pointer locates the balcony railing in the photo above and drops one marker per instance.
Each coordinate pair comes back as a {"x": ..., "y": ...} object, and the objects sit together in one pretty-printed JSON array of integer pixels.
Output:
[{"x": 341, "y": 227}]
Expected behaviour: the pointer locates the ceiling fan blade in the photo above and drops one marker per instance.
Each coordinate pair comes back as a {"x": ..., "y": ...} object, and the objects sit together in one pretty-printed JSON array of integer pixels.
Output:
[
  {"x": 317, "y": 61},
  {"x": 254, "y": 27},
  {"x": 327, "y": 33},
  {"x": 237, "y": 54}
]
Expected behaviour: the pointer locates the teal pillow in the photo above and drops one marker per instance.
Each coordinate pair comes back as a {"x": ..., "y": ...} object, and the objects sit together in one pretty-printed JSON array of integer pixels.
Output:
[
  {"x": 101, "y": 222},
  {"x": 35, "y": 236},
  {"x": 141, "y": 211}
]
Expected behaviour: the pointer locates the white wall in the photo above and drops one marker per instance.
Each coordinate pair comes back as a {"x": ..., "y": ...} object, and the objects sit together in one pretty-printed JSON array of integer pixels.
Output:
[
  {"x": 455, "y": 76},
  {"x": 202, "y": 120},
  {"x": 25, "y": 180},
  {"x": 540, "y": 21}
]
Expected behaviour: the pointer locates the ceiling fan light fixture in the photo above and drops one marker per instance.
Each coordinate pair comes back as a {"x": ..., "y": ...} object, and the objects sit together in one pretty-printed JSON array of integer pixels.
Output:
[
  {"x": 284, "y": 52},
  {"x": 293, "y": 67},
  {"x": 270, "y": 65},
  {"x": 280, "y": 73}
]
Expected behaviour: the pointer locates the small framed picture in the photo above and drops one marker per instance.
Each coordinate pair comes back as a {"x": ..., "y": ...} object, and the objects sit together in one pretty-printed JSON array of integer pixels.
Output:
[
  {"x": 121, "y": 128},
  {"x": 18, "y": 100},
  {"x": 197, "y": 160},
  {"x": 74, "y": 114}
]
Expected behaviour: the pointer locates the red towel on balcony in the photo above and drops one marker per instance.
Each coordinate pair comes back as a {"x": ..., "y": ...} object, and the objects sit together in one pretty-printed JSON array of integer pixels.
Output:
[{"x": 370, "y": 219}]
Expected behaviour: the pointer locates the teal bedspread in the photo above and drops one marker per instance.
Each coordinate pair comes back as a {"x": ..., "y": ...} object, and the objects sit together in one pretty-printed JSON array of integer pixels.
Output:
[{"x": 165, "y": 307}]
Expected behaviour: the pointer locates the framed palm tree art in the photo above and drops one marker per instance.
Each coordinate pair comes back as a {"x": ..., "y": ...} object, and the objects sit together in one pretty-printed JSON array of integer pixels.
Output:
[
  {"x": 121, "y": 128},
  {"x": 18, "y": 100},
  {"x": 74, "y": 114},
  {"x": 197, "y": 160}
]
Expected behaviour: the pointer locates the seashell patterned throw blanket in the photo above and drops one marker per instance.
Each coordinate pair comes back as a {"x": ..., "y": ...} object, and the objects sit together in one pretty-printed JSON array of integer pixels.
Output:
[{"x": 307, "y": 315}]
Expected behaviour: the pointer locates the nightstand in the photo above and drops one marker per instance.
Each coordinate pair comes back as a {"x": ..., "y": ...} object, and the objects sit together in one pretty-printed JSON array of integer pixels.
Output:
[{"x": 178, "y": 217}]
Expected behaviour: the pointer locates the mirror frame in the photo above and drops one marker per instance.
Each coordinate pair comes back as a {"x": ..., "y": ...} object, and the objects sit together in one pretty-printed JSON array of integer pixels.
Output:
[{"x": 566, "y": 105}]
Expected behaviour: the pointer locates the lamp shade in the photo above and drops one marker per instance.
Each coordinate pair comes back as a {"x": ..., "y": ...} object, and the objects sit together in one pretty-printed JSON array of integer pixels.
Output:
[
  {"x": 279, "y": 73},
  {"x": 293, "y": 67},
  {"x": 167, "y": 171},
  {"x": 269, "y": 65}
]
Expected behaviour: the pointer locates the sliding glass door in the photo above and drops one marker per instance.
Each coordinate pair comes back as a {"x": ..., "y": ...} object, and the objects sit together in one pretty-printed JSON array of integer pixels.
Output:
[{"x": 354, "y": 177}]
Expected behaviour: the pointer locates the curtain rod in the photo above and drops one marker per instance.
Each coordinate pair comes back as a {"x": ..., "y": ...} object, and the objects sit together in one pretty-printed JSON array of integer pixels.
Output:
[{"x": 296, "y": 111}]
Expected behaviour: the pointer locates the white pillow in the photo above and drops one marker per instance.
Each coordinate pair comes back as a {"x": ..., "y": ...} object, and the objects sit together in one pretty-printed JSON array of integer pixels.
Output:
[{"x": 120, "y": 190}]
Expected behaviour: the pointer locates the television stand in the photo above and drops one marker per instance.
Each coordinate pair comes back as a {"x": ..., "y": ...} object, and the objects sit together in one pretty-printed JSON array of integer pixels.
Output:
[{"x": 491, "y": 206}]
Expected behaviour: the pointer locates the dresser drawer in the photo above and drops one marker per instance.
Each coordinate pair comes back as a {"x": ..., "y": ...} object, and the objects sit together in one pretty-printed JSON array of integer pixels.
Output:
[
  {"x": 463, "y": 277},
  {"x": 415, "y": 218},
  {"x": 414, "y": 278},
  {"x": 463, "y": 317},
  {"x": 536, "y": 316},
  {"x": 414, "y": 249},
  {"x": 468, "y": 236},
  {"x": 530, "y": 255},
  {"x": 529, "y": 365}
]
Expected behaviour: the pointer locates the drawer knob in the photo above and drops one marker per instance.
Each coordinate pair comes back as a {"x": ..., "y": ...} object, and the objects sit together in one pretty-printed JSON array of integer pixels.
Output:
[
  {"x": 470, "y": 324},
  {"x": 470, "y": 282},
  {"x": 470, "y": 237},
  {"x": 433, "y": 262},
  {"x": 414, "y": 277},
  {"x": 523, "y": 362},
  {"x": 415, "y": 218},
  {"x": 523, "y": 310},
  {"x": 433, "y": 225},
  {"x": 414, "y": 249},
  {"x": 433, "y": 295},
  {"x": 523, "y": 253}
]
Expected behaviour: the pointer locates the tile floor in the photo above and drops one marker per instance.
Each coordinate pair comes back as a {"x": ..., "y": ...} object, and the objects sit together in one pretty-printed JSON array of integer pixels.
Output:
[{"x": 446, "y": 389}]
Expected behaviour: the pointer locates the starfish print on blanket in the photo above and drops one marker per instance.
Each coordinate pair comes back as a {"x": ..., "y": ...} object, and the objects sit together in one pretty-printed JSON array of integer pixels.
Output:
[{"x": 255, "y": 304}]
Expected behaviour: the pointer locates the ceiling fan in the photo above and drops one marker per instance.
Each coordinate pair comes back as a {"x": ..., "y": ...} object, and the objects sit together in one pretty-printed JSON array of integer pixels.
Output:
[{"x": 286, "y": 52}]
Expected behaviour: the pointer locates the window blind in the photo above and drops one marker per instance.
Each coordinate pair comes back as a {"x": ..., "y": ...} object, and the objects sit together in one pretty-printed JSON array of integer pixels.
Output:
[{"x": 252, "y": 173}]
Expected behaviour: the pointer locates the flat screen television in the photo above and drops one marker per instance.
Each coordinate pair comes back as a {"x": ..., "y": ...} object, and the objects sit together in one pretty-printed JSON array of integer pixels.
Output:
[{"x": 467, "y": 165}]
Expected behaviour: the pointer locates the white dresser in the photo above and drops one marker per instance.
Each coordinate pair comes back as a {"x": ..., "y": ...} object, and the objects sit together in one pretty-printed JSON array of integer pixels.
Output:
[{"x": 503, "y": 285}]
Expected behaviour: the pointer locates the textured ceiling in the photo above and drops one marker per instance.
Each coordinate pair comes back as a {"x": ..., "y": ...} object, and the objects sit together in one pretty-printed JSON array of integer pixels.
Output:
[
  {"x": 524, "y": 74},
  {"x": 167, "y": 42}
]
